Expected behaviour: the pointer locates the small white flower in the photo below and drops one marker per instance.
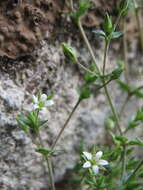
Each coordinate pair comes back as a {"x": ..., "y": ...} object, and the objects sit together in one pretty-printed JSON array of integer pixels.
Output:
[
  {"x": 94, "y": 161},
  {"x": 41, "y": 102}
]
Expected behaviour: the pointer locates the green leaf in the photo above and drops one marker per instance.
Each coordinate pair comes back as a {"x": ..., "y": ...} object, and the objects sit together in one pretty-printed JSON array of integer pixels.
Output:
[
  {"x": 70, "y": 53},
  {"x": 116, "y": 35},
  {"x": 100, "y": 33},
  {"x": 138, "y": 94},
  {"x": 22, "y": 122},
  {"x": 117, "y": 72},
  {"x": 41, "y": 122},
  {"x": 124, "y": 86},
  {"x": 136, "y": 142},
  {"x": 121, "y": 139},
  {"x": 44, "y": 151},
  {"x": 85, "y": 93},
  {"x": 139, "y": 115}
]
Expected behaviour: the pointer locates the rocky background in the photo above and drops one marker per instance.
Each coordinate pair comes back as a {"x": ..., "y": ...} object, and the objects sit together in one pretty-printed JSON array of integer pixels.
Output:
[{"x": 31, "y": 33}]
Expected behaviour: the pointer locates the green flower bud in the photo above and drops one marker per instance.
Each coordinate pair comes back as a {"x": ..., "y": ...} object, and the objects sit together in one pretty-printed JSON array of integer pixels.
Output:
[
  {"x": 70, "y": 53},
  {"x": 107, "y": 25}
]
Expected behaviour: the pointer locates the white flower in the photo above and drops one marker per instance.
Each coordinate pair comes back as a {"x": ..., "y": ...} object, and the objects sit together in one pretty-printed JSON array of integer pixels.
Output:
[
  {"x": 41, "y": 102},
  {"x": 94, "y": 161}
]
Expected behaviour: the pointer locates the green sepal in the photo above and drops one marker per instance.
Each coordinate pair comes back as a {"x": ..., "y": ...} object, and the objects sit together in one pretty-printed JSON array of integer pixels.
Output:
[
  {"x": 84, "y": 93},
  {"x": 107, "y": 25},
  {"x": 89, "y": 77},
  {"x": 121, "y": 139}
]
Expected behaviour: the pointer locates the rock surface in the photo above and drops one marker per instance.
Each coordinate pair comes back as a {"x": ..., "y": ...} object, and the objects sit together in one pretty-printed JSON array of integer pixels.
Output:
[{"x": 48, "y": 71}]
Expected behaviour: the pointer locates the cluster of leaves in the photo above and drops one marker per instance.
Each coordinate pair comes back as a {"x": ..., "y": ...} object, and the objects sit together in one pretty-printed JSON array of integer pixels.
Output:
[{"x": 30, "y": 122}]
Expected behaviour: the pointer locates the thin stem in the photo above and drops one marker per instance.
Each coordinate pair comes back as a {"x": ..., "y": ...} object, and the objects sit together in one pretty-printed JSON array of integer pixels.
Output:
[
  {"x": 86, "y": 69},
  {"x": 113, "y": 110},
  {"x": 134, "y": 172},
  {"x": 106, "y": 89},
  {"x": 49, "y": 164},
  {"x": 66, "y": 123},
  {"x": 71, "y": 5},
  {"x": 124, "y": 106},
  {"x": 125, "y": 51},
  {"x": 123, "y": 162},
  {"x": 117, "y": 21},
  {"x": 105, "y": 55},
  {"x": 138, "y": 88},
  {"x": 87, "y": 44},
  {"x": 138, "y": 19}
]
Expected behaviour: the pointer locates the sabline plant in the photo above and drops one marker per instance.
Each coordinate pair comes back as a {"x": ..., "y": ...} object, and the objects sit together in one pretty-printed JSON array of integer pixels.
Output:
[{"x": 117, "y": 168}]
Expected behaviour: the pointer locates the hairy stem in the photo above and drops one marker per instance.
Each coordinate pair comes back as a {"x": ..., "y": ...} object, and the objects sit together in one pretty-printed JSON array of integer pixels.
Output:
[
  {"x": 65, "y": 125},
  {"x": 125, "y": 51},
  {"x": 49, "y": 164},
  {"x": 106, "y": 89},
  {"x": 87, "y": 44}
]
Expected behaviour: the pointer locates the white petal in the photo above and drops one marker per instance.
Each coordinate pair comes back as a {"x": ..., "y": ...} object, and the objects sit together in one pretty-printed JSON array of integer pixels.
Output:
[
  {"x": 98, "y": 155},
  {"x": 86, "y": 165},
  {"x": 95, "y": 169},
  {"x": 49, "y": 103},
  {"x": 35, "y": 106},
  {"x": 103, "y": 162},
  {"x": 88, "y": 155},
  {"x": 35, "y": 99},
  {"x": 43, "y": 97}
]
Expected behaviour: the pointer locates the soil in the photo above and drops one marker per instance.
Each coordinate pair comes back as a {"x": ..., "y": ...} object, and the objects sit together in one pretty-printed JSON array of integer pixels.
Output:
[{"x": 24, "y": 23}]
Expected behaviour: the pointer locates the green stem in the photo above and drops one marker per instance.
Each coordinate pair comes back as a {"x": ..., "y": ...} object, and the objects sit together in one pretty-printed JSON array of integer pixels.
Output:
[
  {"x": 134, "y": 172},
  {"x": 123, "y": 162},
  {"x": 125, "y": 50},
  {"x": 86, "y": 69},
  {"x": 94, "y": 60},
  {"x": 87, "y": 44},
  {"x": 49, "y": 164},
  {"x": 106, "y": 89},
  {"x": 124, "y": 106},
  {"x": 66, "y": 123}
]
